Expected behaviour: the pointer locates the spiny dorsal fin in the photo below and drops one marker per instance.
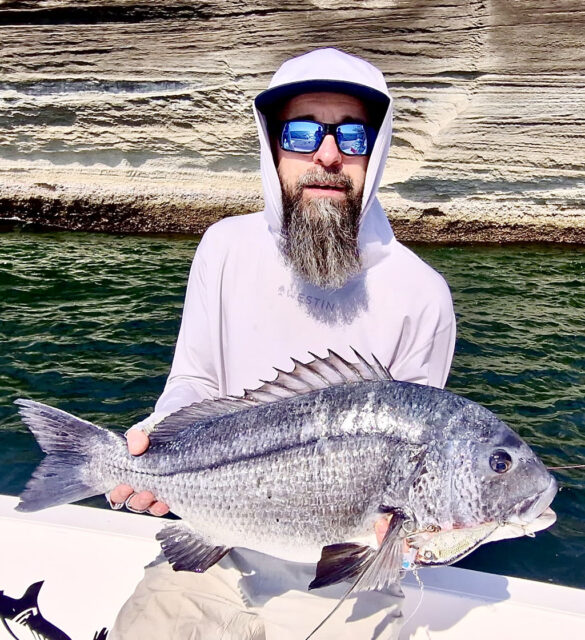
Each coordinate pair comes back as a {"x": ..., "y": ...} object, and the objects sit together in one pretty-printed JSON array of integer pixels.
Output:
[{"x": 319, "y": 373}]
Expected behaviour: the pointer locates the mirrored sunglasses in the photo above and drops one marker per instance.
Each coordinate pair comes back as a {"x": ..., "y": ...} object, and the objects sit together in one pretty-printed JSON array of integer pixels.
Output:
[{"x": 306, "y": 136}]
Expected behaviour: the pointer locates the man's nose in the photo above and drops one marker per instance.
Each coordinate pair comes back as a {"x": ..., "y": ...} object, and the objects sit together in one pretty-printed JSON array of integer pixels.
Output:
[{"x": 328, "y": 154}]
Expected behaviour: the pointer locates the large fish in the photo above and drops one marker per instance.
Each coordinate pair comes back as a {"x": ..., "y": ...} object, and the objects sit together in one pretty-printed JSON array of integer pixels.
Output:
[{"x": 307, "y": 464}]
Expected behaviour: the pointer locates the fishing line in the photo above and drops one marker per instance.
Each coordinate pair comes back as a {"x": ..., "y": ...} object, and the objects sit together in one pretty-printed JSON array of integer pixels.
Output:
[
  {"x": 572, "y": 466},
  {"x": 421, "y": 595}
]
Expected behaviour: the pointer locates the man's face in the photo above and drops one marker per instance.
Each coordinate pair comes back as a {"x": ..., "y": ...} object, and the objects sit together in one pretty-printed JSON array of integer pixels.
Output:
[
  {"x": 322, "y": 195},
  {"x": 330, "y": 108}
]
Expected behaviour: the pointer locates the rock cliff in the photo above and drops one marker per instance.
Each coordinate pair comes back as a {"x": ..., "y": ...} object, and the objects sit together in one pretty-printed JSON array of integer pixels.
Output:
[{"x": 135, "y": 116}]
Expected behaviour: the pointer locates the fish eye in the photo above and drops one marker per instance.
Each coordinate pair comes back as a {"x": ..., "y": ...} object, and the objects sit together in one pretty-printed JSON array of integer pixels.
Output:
[{"x": 500, "y": 461}]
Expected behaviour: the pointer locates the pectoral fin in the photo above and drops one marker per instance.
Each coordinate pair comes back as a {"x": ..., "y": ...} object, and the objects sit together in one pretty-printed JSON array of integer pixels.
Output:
[
  {"x": 375, "y": 569},
  {"x": 341, "y": 562},
  {"x": 383, "y": 571},
  {"x": 186, "y": 551}
]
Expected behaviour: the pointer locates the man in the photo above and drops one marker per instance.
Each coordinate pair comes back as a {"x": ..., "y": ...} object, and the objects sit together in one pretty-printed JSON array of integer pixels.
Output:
[{"x": 318, "y": 269}]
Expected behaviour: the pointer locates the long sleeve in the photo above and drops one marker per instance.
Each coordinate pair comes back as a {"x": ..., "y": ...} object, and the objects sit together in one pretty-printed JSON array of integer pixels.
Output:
[
  {"x": 427, "y": 342},
  {"x": 193, "y": 376}
]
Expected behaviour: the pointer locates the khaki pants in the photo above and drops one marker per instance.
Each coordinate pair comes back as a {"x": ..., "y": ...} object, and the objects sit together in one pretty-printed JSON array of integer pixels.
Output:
[{"x": 251, "y": 596}]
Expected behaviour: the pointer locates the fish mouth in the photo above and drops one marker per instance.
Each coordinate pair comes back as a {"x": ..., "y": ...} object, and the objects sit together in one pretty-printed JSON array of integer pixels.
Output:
[
  {"x": 516, "y": 530},
  {"x": 530, "y": 509},
  {"x": 446, "y": 546}
]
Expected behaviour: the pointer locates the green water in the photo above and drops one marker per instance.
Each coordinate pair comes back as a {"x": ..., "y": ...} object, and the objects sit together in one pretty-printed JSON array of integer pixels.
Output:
[{"x": 88, "y": 323}]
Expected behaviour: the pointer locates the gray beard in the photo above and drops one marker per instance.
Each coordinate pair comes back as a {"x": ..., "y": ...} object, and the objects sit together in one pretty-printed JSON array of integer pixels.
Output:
[{"x": 320, "y": 236}]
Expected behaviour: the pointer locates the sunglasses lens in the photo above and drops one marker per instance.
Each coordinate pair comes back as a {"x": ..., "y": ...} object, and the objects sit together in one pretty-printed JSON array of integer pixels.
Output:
[
  {"x": 305, "y": 136},
  {"x": 301, "y": 136},
  {"x": 352, "y": 139}
]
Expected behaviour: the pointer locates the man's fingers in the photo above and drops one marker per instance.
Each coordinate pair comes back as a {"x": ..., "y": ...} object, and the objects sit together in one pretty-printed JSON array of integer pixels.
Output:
[
  {"x": 141, "y": 501},
  {"x": 159, "y": 509},
  {"x": 138, "y": 442},
  {"x": 121, "y": 493},
  {"x": 145, "y": 501}
]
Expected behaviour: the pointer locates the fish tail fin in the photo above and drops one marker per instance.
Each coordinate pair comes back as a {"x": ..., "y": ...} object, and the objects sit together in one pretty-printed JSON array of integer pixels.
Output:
[{"x": 64, "y": 475}]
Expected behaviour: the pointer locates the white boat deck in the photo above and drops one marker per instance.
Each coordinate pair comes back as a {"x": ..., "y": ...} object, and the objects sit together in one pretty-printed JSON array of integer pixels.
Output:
[{"x": 91, "y": 559}]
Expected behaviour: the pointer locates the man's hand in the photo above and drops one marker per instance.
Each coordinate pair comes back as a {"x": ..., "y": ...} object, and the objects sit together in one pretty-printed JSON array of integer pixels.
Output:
[
  {"x": 138, "y": 443},
  {"x": 380, "y": 528}
]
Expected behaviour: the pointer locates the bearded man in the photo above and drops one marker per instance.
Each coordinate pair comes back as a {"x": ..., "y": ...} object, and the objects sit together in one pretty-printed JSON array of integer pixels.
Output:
[{"x": 318, "y": 269}]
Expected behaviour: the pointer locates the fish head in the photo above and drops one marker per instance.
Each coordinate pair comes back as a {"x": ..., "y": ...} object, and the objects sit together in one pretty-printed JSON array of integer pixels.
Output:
[
  {"x": 492, "y": 486},
  {"x": 493, "y": 475},
  {"x": 498, "y": 478}
]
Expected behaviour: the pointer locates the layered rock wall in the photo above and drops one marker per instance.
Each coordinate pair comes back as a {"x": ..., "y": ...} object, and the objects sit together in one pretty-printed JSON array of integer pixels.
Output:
[{"x": 128, "y": 116}]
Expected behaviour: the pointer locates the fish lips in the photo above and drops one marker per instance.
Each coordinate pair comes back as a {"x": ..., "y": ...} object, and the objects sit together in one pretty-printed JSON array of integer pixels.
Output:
[
  {"x": 530, "y": 509},
  {"x": 513, "y": 530}
]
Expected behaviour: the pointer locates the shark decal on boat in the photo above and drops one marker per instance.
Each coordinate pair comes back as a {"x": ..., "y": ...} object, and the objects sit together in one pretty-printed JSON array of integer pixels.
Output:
[{"x": 22, "y": 616}]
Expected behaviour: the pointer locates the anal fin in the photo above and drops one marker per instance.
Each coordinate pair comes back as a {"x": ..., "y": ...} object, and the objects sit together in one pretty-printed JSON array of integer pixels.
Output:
[{"x": 186, "y": 551}]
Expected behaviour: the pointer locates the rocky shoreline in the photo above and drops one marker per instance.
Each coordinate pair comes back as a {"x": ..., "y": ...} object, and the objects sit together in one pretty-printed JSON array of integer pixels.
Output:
[
  {"x": 108, "y": 202},
  {"x": 125, "y": 117}
]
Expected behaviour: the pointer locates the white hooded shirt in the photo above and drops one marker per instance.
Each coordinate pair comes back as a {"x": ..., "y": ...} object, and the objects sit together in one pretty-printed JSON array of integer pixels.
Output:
[{"x": 246, "y": 312}]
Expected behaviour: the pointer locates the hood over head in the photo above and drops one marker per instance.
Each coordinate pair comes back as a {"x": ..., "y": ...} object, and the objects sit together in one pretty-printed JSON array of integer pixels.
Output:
[{"x": 333, "y": 71}]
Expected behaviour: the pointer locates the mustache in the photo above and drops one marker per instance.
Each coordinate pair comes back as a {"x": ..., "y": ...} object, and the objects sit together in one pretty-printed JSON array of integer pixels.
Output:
[{"x": 320, "y": 176}]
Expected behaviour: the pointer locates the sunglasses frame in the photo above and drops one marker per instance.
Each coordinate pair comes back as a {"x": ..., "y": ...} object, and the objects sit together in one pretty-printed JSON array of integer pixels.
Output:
[{"x": 330, "y": 129}]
